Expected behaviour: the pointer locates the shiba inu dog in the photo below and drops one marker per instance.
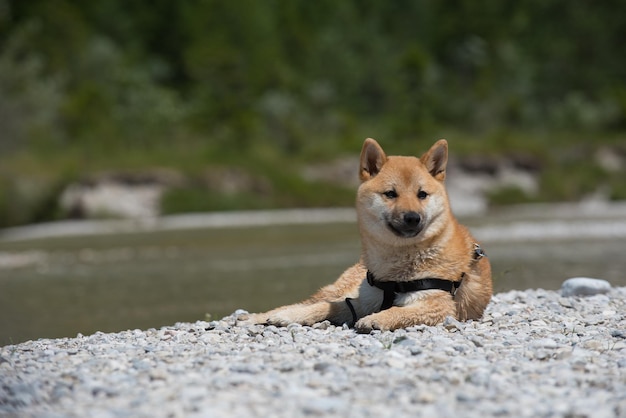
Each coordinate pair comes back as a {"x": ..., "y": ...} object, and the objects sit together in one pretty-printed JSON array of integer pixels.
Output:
[{"x": 418, "y": 264}]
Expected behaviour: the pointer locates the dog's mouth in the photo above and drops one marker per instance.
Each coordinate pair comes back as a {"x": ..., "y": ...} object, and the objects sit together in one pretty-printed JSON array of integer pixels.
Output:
[{"x": 404, "y": 232}]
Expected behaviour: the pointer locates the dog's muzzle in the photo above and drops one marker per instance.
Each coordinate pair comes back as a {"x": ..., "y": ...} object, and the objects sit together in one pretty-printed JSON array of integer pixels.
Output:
[{"x": 408, "y": 225}]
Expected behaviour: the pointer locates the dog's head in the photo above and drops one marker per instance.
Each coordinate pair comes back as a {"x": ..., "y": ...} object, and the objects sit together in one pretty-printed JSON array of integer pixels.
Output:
[{"x": 402, "y": 200}]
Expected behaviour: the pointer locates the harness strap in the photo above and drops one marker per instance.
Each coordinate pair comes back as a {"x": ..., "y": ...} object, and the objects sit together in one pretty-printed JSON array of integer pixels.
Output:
[
  {"x": 391, "y": 288},
  {"x": 352, "y": 311}
]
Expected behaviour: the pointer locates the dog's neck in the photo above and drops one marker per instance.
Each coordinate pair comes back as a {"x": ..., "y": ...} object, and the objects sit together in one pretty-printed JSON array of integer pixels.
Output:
[{"x": 405, "y": 263}]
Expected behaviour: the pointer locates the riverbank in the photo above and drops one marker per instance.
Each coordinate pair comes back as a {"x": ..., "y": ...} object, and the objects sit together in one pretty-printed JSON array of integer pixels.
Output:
[
  {"x": 535, "y": 353},
  {"x": 594, "y": 219}
]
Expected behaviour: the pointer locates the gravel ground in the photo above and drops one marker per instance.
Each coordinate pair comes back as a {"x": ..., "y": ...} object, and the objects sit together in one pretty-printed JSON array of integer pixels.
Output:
[{"x": 534, "y": 354}]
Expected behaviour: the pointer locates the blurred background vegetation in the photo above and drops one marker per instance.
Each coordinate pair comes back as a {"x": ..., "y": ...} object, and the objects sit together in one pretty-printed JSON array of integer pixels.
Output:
[{"x": 265, "y": 88}]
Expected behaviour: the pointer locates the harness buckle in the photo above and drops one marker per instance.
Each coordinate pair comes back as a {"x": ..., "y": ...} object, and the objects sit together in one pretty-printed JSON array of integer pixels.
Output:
[{"x": 478, "y": 252}]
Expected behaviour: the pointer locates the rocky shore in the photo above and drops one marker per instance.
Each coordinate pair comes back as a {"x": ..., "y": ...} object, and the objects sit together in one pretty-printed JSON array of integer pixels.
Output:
[{"x": 535, "y": 353}]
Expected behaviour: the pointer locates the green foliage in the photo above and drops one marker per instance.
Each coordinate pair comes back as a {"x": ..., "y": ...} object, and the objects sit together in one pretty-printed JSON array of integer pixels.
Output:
[
  {"x": 570, "y": 180},
  {"x": 508, "y": 195},
  {"x": 283, "y": 188},
  {"x": 30, "y": 98},
  {"x": 284, "y": 72},
  {"x": 28, "y": 199}
]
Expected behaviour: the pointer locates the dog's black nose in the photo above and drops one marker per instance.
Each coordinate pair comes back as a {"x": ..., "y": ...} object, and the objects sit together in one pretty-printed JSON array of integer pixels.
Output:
[{"x": 412, "y": 219}]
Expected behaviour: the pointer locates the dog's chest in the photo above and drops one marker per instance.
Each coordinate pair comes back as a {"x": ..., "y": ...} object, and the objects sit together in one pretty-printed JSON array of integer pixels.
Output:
[
  {"x": 410, "y": 298},
  {"x": 412, "y": 266}
]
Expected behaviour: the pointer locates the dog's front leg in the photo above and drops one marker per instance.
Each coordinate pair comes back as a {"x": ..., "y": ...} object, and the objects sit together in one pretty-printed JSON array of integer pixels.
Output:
[
  {"x": 431, "y": 310},
  {"x": 299, "y": 313},
  {"x": 304, "y": 314}
]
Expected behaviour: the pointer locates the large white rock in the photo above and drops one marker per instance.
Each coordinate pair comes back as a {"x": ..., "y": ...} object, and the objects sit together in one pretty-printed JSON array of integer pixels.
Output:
[
  {"x": 584, "y": 286},
  {"x": 112, "y": 199}
]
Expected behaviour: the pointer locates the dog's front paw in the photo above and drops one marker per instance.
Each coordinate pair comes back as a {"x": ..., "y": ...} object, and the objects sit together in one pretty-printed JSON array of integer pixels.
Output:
[
  {"x": 284, "y": 317},
  {"x": 252, "y": 319},
  {"x": 369, "y": 323},
  {"x": 279, "y": 318}
]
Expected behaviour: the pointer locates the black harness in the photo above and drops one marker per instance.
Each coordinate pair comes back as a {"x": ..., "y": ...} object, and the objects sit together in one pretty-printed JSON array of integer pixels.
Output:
[{"x": 390, "y": 288}]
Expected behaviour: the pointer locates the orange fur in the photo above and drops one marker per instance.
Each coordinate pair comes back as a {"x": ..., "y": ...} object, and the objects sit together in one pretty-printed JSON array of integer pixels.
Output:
[{"x": 407, "y": 232}]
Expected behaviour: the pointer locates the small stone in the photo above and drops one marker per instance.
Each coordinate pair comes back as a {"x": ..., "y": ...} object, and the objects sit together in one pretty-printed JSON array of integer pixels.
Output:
[
  {"x": 479, "y": 377},
  {"x": 618, "y": 333},
  {"x": 452, "y": 324},
  {"x": 478, "y": 342},
  {"x": 425, "y": 397},
  {"x": 463, "y": 397},
  {"x": 584, "y": 286},
  {"x": 322, "y": 366},
  {"x": 404, "y": 342},
  {"x": 246, "y": 368},
  {"x": 545, "y": 343},
  {"x": 594, "y": 345},
  {"x": 395, "y": 363},
  {"x": 158, "y": 374},
  {"x": 324, "y": 406},
  {"x": 294, "y": 327},
  {"x": 415, "y": 350},
  {"x": 321, "y": 325},
  {"x": 460, "y": 348},
  {"x": 287, "y": 367},
  {"x": 210, "y": 338}
]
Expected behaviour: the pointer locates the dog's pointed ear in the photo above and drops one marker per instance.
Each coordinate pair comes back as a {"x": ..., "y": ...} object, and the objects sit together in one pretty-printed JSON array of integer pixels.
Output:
[
  {"x": 436, "y": 159},
  {"x": 372, "y": 159}
]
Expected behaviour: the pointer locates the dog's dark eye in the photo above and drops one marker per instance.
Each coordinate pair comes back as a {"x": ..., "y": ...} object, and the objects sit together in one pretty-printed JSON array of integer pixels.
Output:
[
  {"x": 390, "y": 194},
  {"x": 422, "y": 195}
]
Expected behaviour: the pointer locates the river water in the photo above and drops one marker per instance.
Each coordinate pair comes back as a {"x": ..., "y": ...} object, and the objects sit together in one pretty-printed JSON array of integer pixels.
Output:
[{"x": 55, "y": 286}]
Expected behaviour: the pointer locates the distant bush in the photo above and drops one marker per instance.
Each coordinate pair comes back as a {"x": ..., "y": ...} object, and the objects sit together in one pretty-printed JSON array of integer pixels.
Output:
[
  {"x": 30, "y": 97},
  {"x": 247, "y": 71}
]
